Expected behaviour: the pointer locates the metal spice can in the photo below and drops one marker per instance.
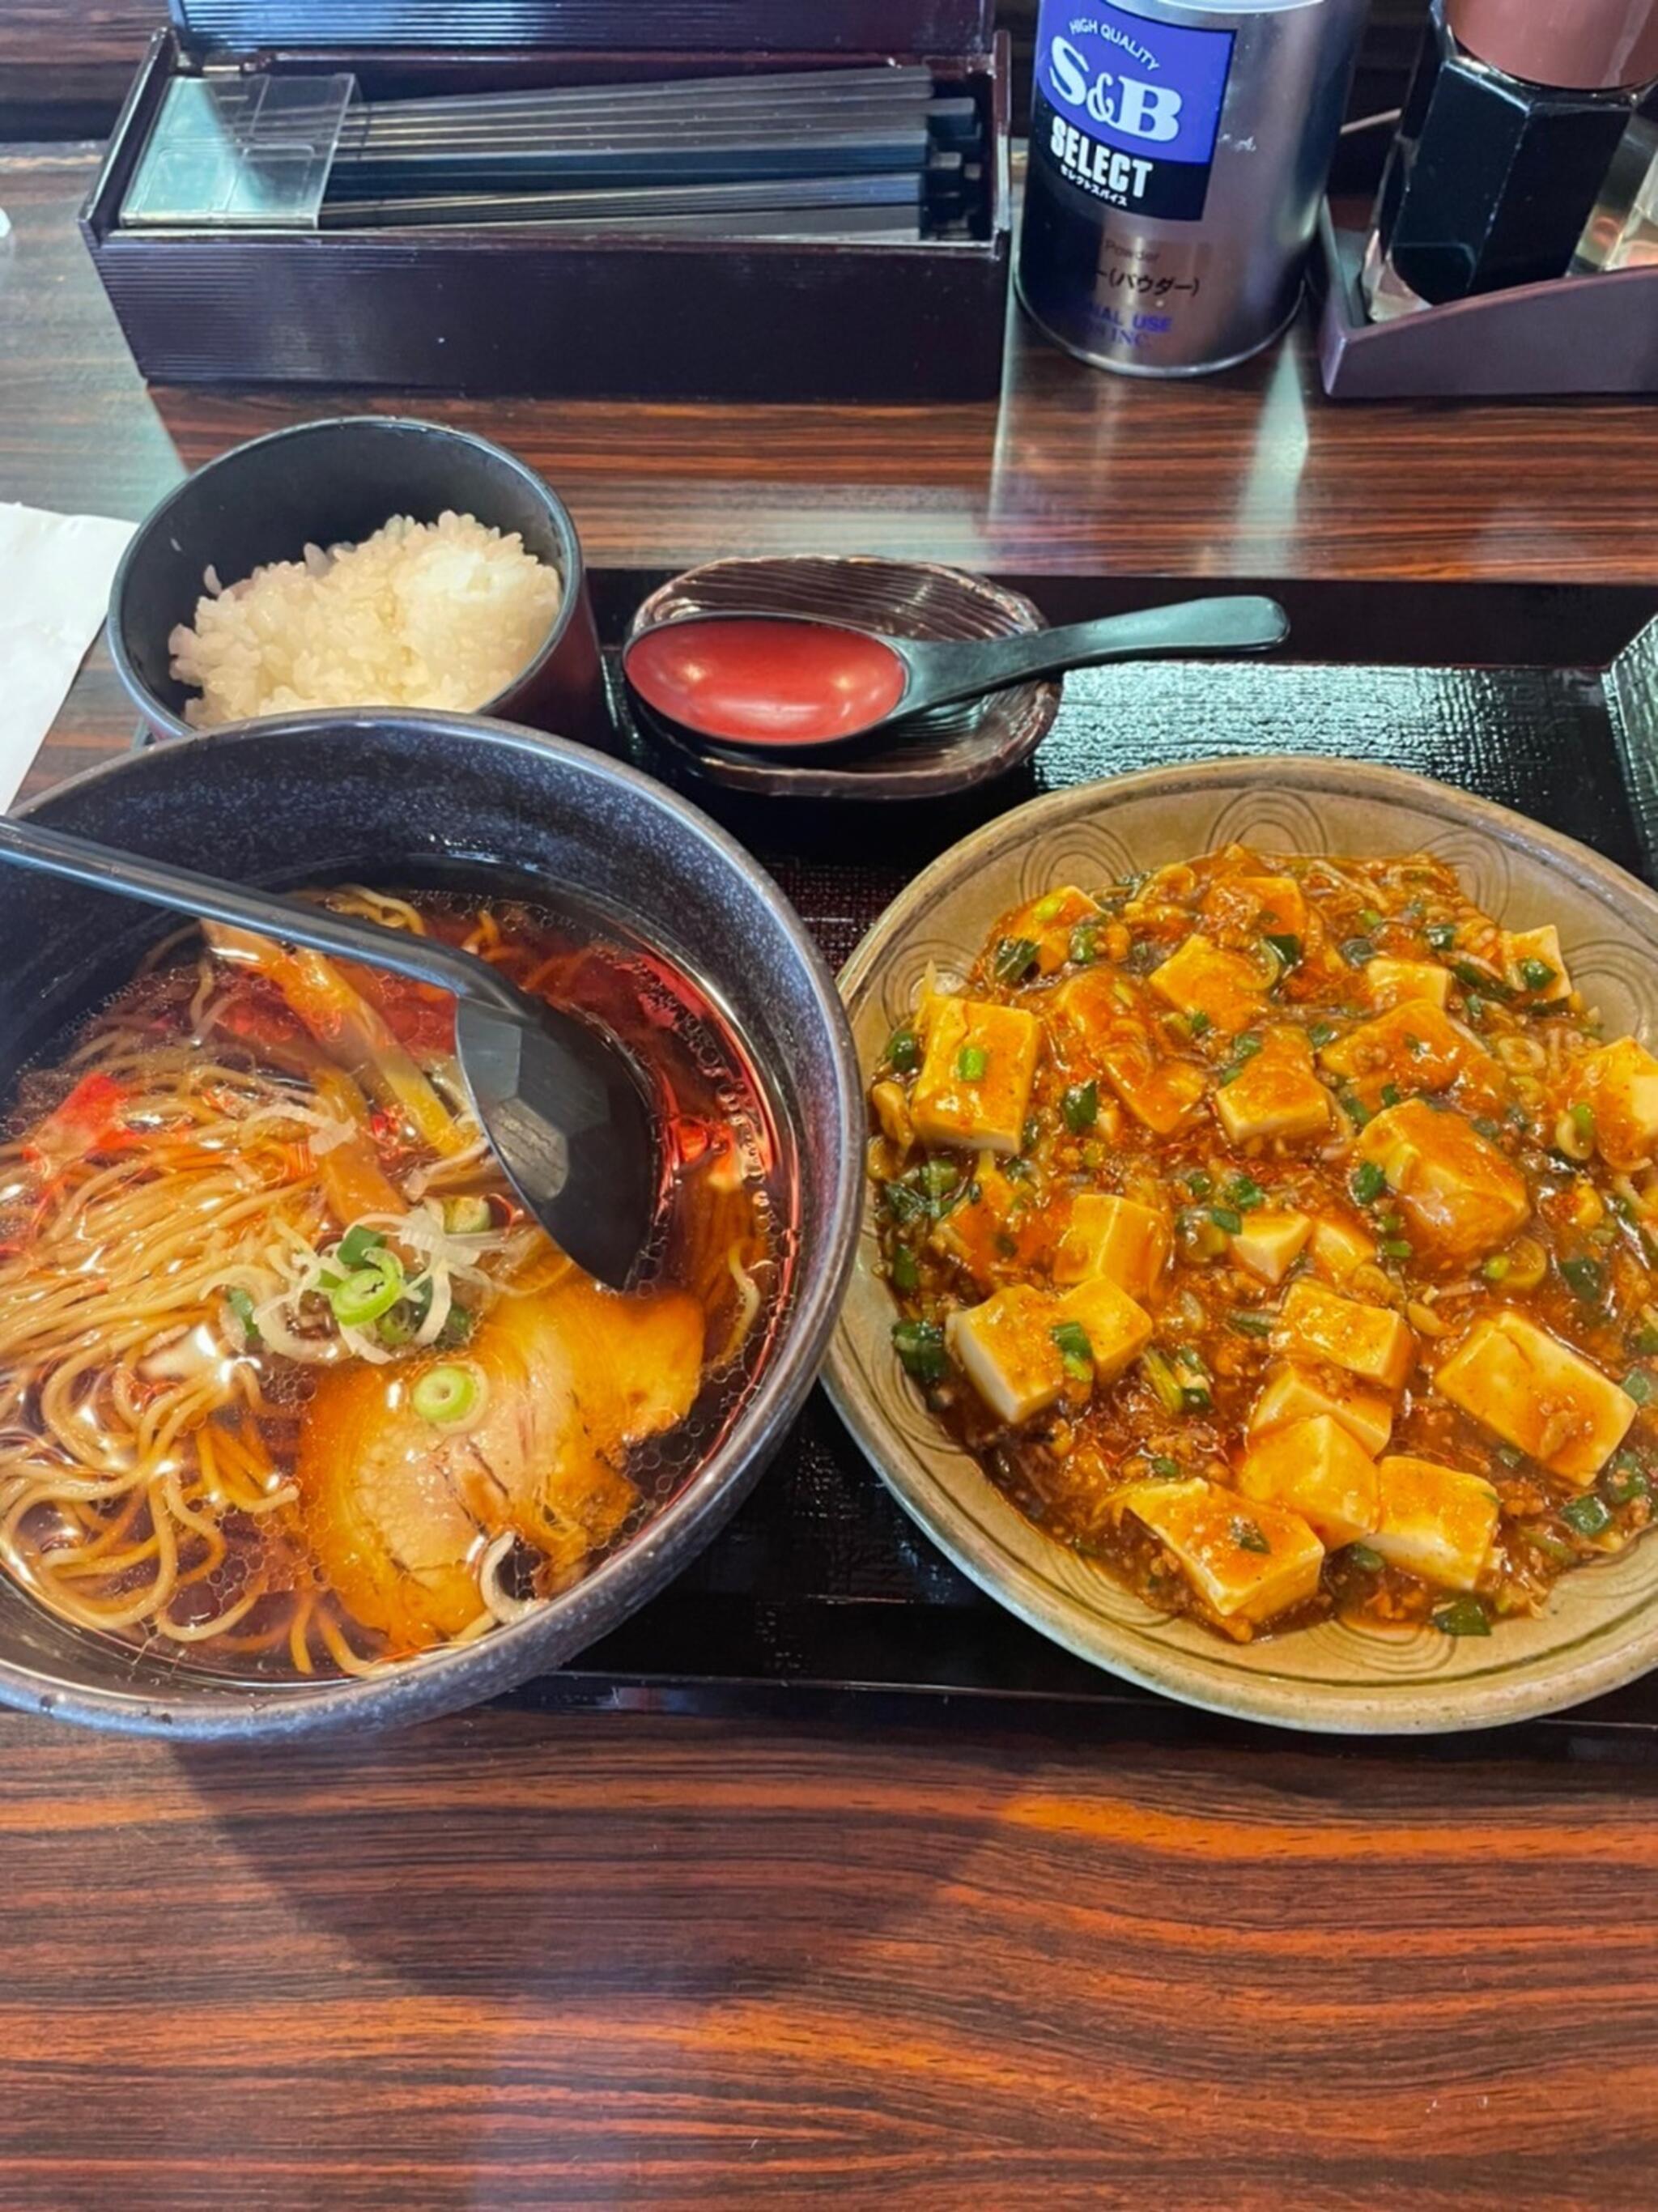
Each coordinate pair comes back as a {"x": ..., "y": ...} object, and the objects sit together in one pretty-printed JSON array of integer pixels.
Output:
[{"x": 1178, "y": 152}]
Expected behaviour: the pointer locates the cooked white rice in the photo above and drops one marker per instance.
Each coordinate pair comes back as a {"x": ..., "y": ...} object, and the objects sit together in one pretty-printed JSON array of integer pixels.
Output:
[{"x": 421, "y": 614}]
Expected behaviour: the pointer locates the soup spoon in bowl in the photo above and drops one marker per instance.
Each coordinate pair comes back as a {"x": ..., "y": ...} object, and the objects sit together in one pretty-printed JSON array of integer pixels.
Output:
[
  {"x": 564, "y": 1106},
  {"x": 804, "y": 685}
]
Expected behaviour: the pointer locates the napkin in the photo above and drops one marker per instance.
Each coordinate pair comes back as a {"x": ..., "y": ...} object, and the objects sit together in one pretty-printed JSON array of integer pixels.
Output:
[{"x": 55, "y": 573}]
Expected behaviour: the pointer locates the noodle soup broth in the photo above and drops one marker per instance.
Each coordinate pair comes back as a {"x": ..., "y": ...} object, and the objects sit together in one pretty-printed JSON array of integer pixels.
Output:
[{"x": 290, "y": 1386}]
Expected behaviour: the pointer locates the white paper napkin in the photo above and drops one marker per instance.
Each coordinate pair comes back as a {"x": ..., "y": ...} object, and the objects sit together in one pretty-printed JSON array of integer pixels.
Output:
[{"x": 55, "y": 573}]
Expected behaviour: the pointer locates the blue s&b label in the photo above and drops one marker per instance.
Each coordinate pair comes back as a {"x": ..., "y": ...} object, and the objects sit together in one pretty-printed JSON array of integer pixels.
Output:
[{"x": 1128, "y": 108}]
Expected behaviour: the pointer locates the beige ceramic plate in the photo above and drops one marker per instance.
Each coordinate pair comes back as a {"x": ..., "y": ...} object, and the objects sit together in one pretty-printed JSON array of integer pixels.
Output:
[{"x": 1601, "y": 1626}]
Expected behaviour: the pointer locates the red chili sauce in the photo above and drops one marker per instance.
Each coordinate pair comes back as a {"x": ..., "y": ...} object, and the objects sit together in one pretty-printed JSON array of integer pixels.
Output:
[{"x": 764, "y": 680}]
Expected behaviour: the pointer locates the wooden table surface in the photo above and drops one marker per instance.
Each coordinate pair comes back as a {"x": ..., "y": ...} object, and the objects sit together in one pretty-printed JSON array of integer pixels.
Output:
[{"x": 516, "y": 1958}]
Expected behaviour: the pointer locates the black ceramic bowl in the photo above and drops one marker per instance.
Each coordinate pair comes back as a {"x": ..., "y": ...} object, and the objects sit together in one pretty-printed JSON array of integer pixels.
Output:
[
  {"x": 423, "y": 798},
  {"x": 333, "y": 482}
]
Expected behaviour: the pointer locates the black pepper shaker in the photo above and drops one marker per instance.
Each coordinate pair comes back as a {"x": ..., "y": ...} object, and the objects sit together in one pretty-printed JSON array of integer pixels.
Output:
[{"x": 1514, "y": 113}]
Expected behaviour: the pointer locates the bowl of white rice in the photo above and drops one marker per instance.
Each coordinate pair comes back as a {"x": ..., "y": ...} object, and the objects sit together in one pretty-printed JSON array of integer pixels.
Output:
[{"x": 367, "y": 561}]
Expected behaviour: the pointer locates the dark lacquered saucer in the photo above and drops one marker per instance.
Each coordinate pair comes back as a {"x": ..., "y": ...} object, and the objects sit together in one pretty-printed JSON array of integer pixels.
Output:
[{"x": 951, "y": 750}]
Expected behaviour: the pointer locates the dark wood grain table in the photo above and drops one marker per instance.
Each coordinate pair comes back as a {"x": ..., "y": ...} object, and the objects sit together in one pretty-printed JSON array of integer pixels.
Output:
[{"x": 620, "y": 1958}]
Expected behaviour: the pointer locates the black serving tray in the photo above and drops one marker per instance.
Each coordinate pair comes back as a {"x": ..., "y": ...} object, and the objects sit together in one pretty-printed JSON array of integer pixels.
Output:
[{"x": 821, "y": 1599}]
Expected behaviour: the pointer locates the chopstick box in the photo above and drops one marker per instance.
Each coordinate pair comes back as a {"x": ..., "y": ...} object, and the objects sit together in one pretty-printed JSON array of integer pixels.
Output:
[{"x": 497, "y": 308}]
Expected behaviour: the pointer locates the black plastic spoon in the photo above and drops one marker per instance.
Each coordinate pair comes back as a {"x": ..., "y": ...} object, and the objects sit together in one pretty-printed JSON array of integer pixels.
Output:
[
  {"x": 799, "y": 685},
  {"x": 564, "y": 1107}
]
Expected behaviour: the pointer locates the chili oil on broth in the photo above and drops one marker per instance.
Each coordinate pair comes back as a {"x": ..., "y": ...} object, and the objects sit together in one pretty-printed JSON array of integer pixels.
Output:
[
  {"x": 1313, "y": 1274},
  {"x": 221, "y": 1441}
]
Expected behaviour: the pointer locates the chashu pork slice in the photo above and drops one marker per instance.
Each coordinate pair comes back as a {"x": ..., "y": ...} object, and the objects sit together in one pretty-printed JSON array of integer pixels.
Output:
[{"x": 398, "y": 1511}]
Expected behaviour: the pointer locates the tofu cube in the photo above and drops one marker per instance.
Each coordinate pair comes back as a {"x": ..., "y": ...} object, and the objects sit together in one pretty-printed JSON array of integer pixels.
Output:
[
  {"x": 1292, "y": 1393},
  {"x": 1539, "y": 1395},
  {"x": 1117, "y": 1328},
  {"x": 1246, "y": 1559},
  {"x": 1372, "y": 1342},
  {"x": 1436, "y": 1522},
  {"x": 1526, "y": 947},
  {"x": 1046, "y": 923},
  {"x": 1620, "y": 1082},
  {"x": 1415, "y": 1045},
  {"x": 1396, "y": 983},
  {"x": 1006, "y": 1349},
  {"x": 1119, "y": 1238},
  {"x": 1242, "y": 910},
  {"x": 1338, "y": 1245},
  {"x": 976, "y": 1079},
  {"x": 1319, "y": 1469},
  {"x": 1228, "y": 989},
  {"x": 1107, "y": 1030},
  {"x": 1276, "y": 1094},
  {"x": 997, "y": 1234},
  {"x": 1271, "y": 1241},
  {"x": 1461, "y": 1197}
]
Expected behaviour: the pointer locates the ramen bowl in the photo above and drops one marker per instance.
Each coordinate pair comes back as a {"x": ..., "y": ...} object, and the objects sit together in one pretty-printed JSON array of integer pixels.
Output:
[
  {"x": 427, "y": 801},
  {"x": 336, "y": 483}
]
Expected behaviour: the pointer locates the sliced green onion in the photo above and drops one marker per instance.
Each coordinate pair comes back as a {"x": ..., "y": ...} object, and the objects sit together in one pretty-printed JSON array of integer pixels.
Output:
[
  {"x": 468, "y": 1216},
  {"x": 1582, "y": 1119},
  {"x": 1047, "y": 909},
  {"x": 938, "y": 1177},
  {"x": 1164, "y": 1381},
  {"x": 1199, "y": 1022},
  {"x": 1639, "y": 1385},
  {"x": 1246, "y": 1046},
  {"x": 1076, "y": 1352},
  {"x": 1644, "y": 1342},
  {"x": 1228, "y": 1218},
  {"x": 1362, "y": 1556},
  {"x": 1081, "y": 1107},
  {"x": 1367, "y": 1183},
  {"x": 904, "y": 1051},
  {"x": 1013, "y": 957},
  {"x": 1588, "y": 1516},
  {"x": 368, "y": 1292},
  {"x": 356, "y": 1245},
  {"x": 1550, "y": 1546},
  {"x": 1441, "y": 935},
  {"x": 1391, "y": 1094},
  {"x": 1397, "y": 1248},
  {"x": 1169, "y": 1470},
  {"x": 242, "y": 1306},
  {"x": 1463, "y": 1616},
  {"x": 1322, "y": 1033},
  {"x": 1369, "y": 919},
  {"x": 1537, "y": 974},
  {"x": 1249, "y": 1535},
  {"x": 906, "y": 1274},
  {"x": 1083, "y": 948},
  {"x": 1488, "y": 1129},
  {"x": 1479, "y": 979},
  {"x": 1585, "y": 1278},
  {"x": 1200, "y": 1183},
  {"x": 1250, "y": 1324},
  {"x": 448, "y": 1395},
  {"x": 971, "y": 1062},
  {"x": 1287, "y": 948},
  {"x": 1626, "y": 1480},
  {"x": 920, "y": 1346},
  {"x": 905, "y": 1203},
  {"x": 1243, "y": 1192},
  {"x": 1495, "y": 1270}
]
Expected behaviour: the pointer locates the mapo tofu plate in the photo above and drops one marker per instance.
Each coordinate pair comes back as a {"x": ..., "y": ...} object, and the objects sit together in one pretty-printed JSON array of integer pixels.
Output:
[{"x": 1279, "y": 1232}]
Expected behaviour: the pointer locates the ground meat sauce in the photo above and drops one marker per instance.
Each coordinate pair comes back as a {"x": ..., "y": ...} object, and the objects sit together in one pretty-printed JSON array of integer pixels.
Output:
[{"x": 1278, "y": 1231}]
